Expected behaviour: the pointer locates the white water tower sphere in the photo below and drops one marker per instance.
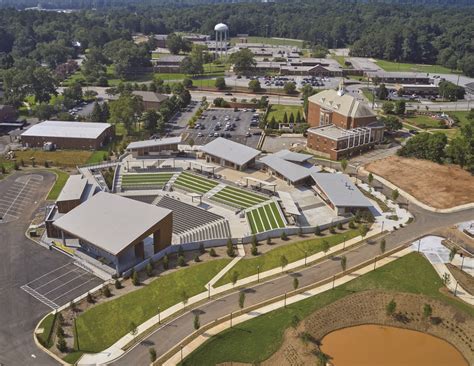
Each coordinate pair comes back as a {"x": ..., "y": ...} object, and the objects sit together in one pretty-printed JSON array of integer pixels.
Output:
[{"x": 222, "y": 32}]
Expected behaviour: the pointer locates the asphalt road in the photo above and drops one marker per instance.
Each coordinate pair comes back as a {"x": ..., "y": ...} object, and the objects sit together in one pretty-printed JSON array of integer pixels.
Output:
[
  {"x": 176, "y": 330},
  {"x": 24, "y": 262}
]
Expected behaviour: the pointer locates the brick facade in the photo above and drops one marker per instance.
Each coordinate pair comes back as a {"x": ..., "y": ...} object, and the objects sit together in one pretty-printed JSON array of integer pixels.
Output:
[{"x": 331, "y": 117}]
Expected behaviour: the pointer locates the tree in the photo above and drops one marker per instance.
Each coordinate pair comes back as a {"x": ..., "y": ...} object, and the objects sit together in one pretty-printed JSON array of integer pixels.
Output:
[
  {"x": 254, "y": 85},
  {"x": 283, "y": 262},
  {"x": 89, "y": 298},
  {"x": 118, "y": 284},
  {"x": 176, "y": 44},
  {"x": 296, "y": 283},
  {"x": 150, "y": 120},
  {"x": 212, "y": 252},
  {"x": 363, "y": 230},
  {"x": 317, "y": 231},
  {"x": 61, "y": 344},
  {"x": 285, "y": 118},
  {"x": 450, "y": 91},
  {"x": 234, "y": 276},
  {"x": 96, "y": 114},
  {"x": 254, "y": 249},
  {"x": 400, "y": 107},
  {"x": 132, "y": 328},
  {"x": 289, "y": 87},
  {"x": 382, "y": 246},
  {"x": 344, "y": 164},
  {"x": 429, "y": 146},
  {"x": 427, "y": 311},
  {"x": 184, "y": 297},
  {"x": 73, "y": 93},
  {"x": 391, "y": 123},
  {"x": 181, "y": 261},
  {"x": 196, "y": 322},
  {"x": 241, "y": 299},
  {"x": 187, "y": 83},
  {"x": 382, "y": 92},
  {"x": 106, "y": 291},
  {"x": 343, "y": 263},
  {"x": 395, "y": 195},
  {"x": 126, "y": 110},
  {"x": 166, "y": 262},
  {"x": 391, "y": 307},
  {"x": 452, "y": 253},
  {"x": 152, "y": 353},
  {"x": 149, "y": 269},
  {"x": 230, "y": 248},
  {"x": 220, "y": 83},
  {"x": 135, "y": 279},
  {"x": 44, "y": 111},
  {"x": 388, "y": 107},
  {"x": 446, "y": 279},
  {"x": 370, "y": 178},
  {"x": 325, "y": 246},
  {"x": 243, "y": 61}
]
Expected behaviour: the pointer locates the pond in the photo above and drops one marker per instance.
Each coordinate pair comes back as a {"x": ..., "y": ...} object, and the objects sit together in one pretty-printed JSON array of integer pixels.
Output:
[{"x": 375, "y": 345}]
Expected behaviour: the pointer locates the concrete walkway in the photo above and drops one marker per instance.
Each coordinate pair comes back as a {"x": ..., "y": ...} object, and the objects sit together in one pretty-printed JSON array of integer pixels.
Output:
[{"x": 193, "y": 345}]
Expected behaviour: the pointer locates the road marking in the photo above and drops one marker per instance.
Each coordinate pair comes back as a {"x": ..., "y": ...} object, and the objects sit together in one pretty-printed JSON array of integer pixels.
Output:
[
  {"x": 74, "y": 288},
  {"x": 8, "y": 209},
  {"x": 54, "y": 270},
  {"x": 65, "y": 283},
  {"x": 39, "y": 297},
  {"x": 56, "y": 278}
]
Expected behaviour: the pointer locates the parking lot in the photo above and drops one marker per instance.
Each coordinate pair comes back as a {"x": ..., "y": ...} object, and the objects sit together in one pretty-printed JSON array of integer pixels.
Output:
[
  {"x": 59, "y": 286},
  {"x": 234, "y": 125},
  {"x": 279, "y": 81},
  {"x": 17, "y": 196}
]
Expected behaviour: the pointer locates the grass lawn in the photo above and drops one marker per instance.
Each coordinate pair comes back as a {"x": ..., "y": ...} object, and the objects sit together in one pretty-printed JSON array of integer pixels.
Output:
[
  {"x": 340, "y": 59},
  {"x": 257, "y": 339},
  {"x": 278, "y": 110},
  {"x": 193, "y": 183},
  {"x": 146, "y": 179},
  {"x": 102, "y": 325},
  {"x": 47, "y": 325},
  {"x": 292, "y": 252},
  {"x": 368, "y": 94},
  {"x": 238, "y": 197},
  {"x": 61, "y": 180},
  {"x": 423, "y": 121},
  {"x": 400, "y": 66},
  {"x": 97, "y": 157},
  {"x": 271, "y": 41},
  {"x": 450, "y": 133},
  {"x": 60, "y": 158},
  {"x": 170, "y": 76},
  {"x": 461, "y": 115},
  {"x": 265, "y": 218}
]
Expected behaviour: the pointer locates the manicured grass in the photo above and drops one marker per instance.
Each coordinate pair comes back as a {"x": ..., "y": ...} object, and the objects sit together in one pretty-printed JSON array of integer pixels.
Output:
[
  {"x": 97, "y": 157},
  {"x": 461, "y": 115},
  {"x": 292, "y": 252},
  {"x": 257, "y": 339},
  {"x": 47, "y": 325},
  {"x": 368, "y": 94},
  {"x": 265, "y": 218},
  {"x": 170, "y": 76},
  {"x": 158, "y": 179},
  {"x": 271, "y": 41},
  {"x": 61, "y": 158},
  {"x": 102, "y": 325},
  {"x": 277, "y": 111},
  {"x": 400, "y": 66},
  {"x": 450, "y": 132},
  {"x": 340, "y": 59},
  {"x": 193, "y": 183},
  {"x": 238, "y": 197},
  {"x": 424, "y": 121},
  {"x": 61, "y": 180}
]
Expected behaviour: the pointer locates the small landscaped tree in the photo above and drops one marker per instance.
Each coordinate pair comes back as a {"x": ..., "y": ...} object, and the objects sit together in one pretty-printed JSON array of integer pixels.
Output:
[
  {"x": 283, "y": 236},
  {"x": 382, "y": 246},
  {"x": 395, "y": 195},
  {"x": 452, "y": 253},
  {"x": 152, "y": 353},
  {"x": 89, "y": 298},
  {"x": 196, "y": 258},
  {"x": 135, "y": 279},
  {"x": 212, "y": 252},
  {"x": 234, "y": 276},
  {"x": 340, "y": 226},
  {"x": 391, "y": 307},
  {"x": 166, "y": 262},
  {"x": 352, "y": 224},
  {"x": 317, "y": 231},
  {"x": 106, "y": 291},
  {"x": 295, "y": 321},
  {"x": 118, "y": 284},
  {"x": 241, "y": 299},
  {"x": 184, "y": 297},
  {"x": 283, "y": 262},
  {"x": 61, "y": 345},
  {"x": 181, "y": 261},
  {"x": 427, "y": 311},
  {"x": 344, "y": 164},
  {"x": 133, "y": 330},
  {"x": 196, "y": 322},
  {"x": 149, "y": 269},
  {"x": 220, "y": 83},
  {"x": 370, "y": 178},
  {"x": 202, "y": 250},
  {"x": 363, "y": 230},
  {"x": 446, "y": 279},
  {"x": 343, "y": 263},
  {"x": 296, "y": 283},
  {"x": 325, "y": 246},
  {"x": 230, "y": 248},
  {"x": 254, "y": 249},
  {"x": 332, "y": 229}
]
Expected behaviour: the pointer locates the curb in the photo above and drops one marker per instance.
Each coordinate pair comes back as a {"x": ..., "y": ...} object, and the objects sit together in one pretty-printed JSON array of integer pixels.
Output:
[{"x": 44, "y": 349}]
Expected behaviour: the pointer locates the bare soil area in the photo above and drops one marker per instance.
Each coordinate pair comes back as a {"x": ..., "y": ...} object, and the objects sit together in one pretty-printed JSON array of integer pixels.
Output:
[
  {"x": 301, "y": 345},
  {"x": 439, "y": 186},
  {"x": 464, "y": 279}
]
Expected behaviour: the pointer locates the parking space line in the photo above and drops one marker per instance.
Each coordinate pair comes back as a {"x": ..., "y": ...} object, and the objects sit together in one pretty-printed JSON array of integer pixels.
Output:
[
  {"x": 39, "y": 297},
  {"x": 75, "y": 288},
  {"x": 57, "y": 278},
  {"x": 65, "y": 283},
  {"x": 54, "y": 270}
]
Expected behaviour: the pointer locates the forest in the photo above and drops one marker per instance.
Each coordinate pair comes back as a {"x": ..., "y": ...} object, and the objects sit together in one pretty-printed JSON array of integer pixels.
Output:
[{"x": 404, "y": 33}]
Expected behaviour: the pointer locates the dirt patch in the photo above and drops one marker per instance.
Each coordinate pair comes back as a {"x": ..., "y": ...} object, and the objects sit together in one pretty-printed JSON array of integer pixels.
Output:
[
  {"x": 369, "y": 307},
  {"x": 439, "y": 186},
  {"x": 454, "y": 237}
]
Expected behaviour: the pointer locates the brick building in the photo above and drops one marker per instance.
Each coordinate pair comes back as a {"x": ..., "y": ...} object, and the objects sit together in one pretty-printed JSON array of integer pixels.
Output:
[
  {"x": 341, "y": 126},
  {"x": 69, "y": 135},
  {"x": 151, "y": 100}
]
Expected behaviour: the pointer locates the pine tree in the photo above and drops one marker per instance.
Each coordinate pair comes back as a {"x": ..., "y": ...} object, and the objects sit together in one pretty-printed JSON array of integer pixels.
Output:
[
  {"x": 105, "y": 112},
  {"x": 298, "y": 117},
  {"x": 285, "y": 118},
  {"x": 292, "y": 118},
  {"x": 96, "y": 114}
]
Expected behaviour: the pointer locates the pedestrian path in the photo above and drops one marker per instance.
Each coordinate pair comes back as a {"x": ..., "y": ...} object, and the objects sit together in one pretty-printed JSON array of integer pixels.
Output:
[{"x": 217, "y": 277}]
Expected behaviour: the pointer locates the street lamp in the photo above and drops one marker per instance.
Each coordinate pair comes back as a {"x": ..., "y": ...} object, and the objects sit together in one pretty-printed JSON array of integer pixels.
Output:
[
  {"x": 375, "y": 262},
  {"x": 258, "y": 273},
  {"x": 181, "y": 353},
  {"x": 462, "y": 261},
  {"x": 231, "y": 319},
  {"x": 419, "y": 243},
  {"x": 383, "y": 222},
  {"x": 159, "y": 317},
  {"x": 285, "y": 299},
  {"x": 305, "y": 257},
  {"x": 344, "y": 245}
]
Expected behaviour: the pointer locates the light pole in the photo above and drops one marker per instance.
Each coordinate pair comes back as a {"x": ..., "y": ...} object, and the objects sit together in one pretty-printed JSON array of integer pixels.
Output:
[
  {"x": 181, "y": 353},
  {"x": 231, "y": 319},
  {"x": 258, "y": 274},
  {"x": 462, "y": 261},
  {"x": 159, "y": 317},
  {"x": 285, "y": 299},
  {"x": 375, "y": 262},
  {"x": 456, "y": 288},
  {"x": 419, "y": 243},
  {"x": 305, "y": 257},
  {"x": 333, "y": 281},
  {"x": 209, "y": 291},
  {"x": 344, "y": 245},
  {"x": 383, "y": 222}
]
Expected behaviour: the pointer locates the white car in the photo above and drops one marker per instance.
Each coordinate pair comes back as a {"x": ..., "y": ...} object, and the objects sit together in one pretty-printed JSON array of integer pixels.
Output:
[{"x": 199, "y": 134}]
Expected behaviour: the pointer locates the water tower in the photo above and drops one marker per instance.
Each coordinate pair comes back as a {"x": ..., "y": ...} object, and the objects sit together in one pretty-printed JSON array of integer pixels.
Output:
[{"x": 222, "y": 33}]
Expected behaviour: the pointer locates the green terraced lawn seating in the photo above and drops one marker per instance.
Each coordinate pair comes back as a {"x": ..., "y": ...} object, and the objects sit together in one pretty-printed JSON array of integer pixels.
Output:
[
  {"x": 193, "y": 183},
  {"x": 239, "y": 198},
  {"x": 265, "y": 218}
]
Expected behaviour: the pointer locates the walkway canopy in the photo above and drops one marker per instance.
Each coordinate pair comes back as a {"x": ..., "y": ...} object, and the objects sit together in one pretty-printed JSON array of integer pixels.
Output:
[
  {"x": 289, "y": 203},
  {"x": 260, "y": 182}
]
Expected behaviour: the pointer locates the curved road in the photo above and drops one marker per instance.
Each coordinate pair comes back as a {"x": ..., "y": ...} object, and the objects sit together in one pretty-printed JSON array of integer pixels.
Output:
[{"x": 176, "y": 330}]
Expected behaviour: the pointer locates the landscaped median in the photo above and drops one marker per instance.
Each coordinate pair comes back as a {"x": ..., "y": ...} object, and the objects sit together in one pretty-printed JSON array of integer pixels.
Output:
[{"x": 292, "y": 252}]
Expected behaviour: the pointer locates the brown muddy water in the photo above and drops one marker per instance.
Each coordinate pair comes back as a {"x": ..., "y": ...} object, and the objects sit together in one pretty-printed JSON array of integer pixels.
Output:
[{"x": 375, "y": 345}]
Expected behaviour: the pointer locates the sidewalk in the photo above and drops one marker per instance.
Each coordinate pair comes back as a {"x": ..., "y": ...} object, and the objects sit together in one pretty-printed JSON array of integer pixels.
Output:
[{"x": 193, "y": 345}]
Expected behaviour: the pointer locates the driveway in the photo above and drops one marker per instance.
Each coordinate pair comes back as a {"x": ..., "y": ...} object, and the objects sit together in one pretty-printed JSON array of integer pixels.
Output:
[{"x": 25, "y": 263}]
